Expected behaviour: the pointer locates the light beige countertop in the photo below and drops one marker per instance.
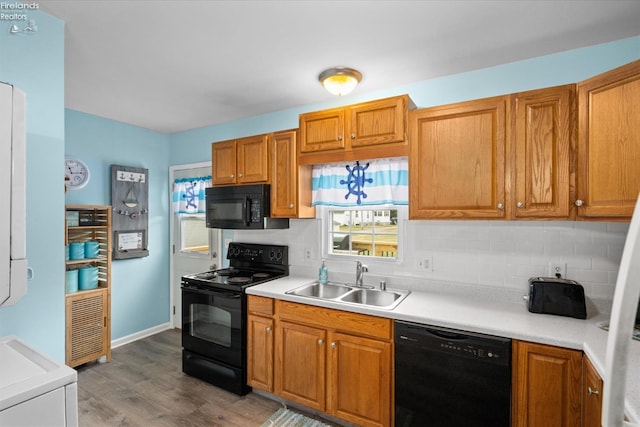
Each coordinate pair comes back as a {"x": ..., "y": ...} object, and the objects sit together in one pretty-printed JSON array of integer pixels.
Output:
[{"x": 487, "y": 315}]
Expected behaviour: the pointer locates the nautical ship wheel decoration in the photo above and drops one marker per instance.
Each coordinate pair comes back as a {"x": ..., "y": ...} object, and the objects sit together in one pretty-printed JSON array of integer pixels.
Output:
[
  {"x": 190, "y": 196},
  {"x": 355, "y": 182}
]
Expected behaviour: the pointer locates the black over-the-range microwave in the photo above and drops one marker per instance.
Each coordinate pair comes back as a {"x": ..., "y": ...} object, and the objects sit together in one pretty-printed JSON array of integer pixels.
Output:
[{"x": 241, "y": 207}]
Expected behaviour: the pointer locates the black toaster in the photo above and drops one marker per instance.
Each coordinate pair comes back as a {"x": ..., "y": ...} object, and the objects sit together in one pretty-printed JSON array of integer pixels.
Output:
[{"x": 562, "y": 297}]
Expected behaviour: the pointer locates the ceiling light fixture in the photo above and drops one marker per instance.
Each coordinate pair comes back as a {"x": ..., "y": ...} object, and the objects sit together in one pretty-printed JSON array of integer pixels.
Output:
[{"x": 340, "y": 80}]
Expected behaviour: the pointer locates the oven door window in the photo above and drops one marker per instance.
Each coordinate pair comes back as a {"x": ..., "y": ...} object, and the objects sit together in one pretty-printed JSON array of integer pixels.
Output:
[{"x": 210, "y": 323}]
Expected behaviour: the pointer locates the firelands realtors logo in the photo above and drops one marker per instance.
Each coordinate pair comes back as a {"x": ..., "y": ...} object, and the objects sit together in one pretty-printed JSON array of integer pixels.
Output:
[{"x": 17, "y": 14}]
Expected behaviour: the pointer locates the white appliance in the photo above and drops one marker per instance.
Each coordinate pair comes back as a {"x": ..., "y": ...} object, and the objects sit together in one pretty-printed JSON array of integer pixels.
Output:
[
  {"x": 623, "y": 316},
  {"x": 13, "y": 262},
  {"x": 35, "y": 391}
]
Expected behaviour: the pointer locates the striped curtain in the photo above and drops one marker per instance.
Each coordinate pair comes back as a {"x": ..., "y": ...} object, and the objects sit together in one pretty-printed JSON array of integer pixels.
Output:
[
  {"x": 188, "y": 194},
  {"x": 361, "y": 183}
]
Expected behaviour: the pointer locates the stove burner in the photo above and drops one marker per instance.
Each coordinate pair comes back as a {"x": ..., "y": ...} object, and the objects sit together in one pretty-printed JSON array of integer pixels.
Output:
[
  {"x": 239, "y": 280},
  {"x": 208, "y": 275},
  {"x": 227, "y": 271},
  {"x": 260, "y": 276}
]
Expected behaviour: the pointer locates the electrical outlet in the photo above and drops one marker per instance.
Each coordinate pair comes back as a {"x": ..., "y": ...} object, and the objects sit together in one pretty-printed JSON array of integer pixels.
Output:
[
  {"x": 557, "y": 269},
  {"x": 425, "y": 263},
  {"x": 307, "y": 253}
]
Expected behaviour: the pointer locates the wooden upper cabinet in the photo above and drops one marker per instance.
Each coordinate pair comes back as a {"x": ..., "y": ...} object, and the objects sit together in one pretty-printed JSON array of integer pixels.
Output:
[
  {"x": 378, "y": 122},
  {"x": 290, "y": 183},
  {"x": 253, "y": 159},
  {"x": 223, "y": 162},
  {"x": 368, "y": 130},
  {"x": 457, "y": 160},
  {"x": 592, "y": 387},
  {"x": 240, "y": 161},
  {"x": 322, "y": 130},
  {"x": 547, "y": 386},
  {"x": 608, "y": 171},
  {"x": 541, "y": 152}
]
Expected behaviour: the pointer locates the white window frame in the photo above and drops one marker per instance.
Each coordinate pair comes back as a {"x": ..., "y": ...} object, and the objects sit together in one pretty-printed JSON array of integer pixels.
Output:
[
  {"x": 324, "y": 213},
  {"x": 194, "y": 254}
]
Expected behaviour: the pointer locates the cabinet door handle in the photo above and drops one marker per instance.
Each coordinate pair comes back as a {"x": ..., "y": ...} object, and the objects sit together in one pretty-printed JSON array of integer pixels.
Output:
[
  {"x": 291, "y": 206},
  {"x": 320, "y": 341},
  {"x": 579, "y": 203},
  {"x": 268, "y": 329},
  {"x": 333, "y": 345},
  {"x": 500, "y": 206},
  {"x": 240, "y": 175},
  {"x": 353, "y": 136},
  {"x": 520, "y": 205},
  {"x": 593, "y": 391},
  {"x": 232, "y": 176},
  {"x": 339, "y": 137}
]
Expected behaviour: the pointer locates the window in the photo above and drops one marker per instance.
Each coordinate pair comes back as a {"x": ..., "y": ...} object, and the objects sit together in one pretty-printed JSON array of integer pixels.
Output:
[
  {"x": 194, "y": 234},
  {"x": 363, "y": 232}
]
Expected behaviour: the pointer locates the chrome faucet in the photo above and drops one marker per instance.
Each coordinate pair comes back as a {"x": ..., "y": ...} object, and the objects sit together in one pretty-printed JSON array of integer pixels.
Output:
[{"x": 360, "y": 270}]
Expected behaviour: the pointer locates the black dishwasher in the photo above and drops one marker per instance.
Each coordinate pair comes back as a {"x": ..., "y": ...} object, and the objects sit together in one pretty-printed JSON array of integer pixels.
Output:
[{"x": 449, "y": 378}]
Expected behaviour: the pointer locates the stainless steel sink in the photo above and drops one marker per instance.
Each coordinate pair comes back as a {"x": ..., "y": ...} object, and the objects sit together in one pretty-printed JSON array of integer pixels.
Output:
[
  {"x": 385, "y": 299},
  {"x": 372, "y": 297},
  {"x": 321, "y": 290}
]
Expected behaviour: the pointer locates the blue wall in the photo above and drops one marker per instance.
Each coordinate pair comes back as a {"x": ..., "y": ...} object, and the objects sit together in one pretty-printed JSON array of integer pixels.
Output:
[
  {"x": 139, "y": 286},
  {"x": 35, "y": 64},
  {"x": 551, "y": 70}
]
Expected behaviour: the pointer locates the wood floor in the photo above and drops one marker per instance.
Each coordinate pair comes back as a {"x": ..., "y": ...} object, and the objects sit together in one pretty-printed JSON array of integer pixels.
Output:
[{"x": 143, "y": 385}]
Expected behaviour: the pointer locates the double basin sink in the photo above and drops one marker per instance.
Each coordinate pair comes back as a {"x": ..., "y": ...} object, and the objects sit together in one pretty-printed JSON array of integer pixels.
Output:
[{"x": 364, "y": 296}]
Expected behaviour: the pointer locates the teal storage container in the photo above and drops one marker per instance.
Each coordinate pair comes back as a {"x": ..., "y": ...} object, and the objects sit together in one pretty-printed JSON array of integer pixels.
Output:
[
  {"x": 76, "y": 250},
  {"x": 71, "y": 281},
  {"x": 88, "y": 278},
  {"x": 91, "y": 249}
]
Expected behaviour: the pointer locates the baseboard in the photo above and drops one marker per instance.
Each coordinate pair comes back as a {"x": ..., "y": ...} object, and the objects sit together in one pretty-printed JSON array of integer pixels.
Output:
[{"x": 139, "y": 335}]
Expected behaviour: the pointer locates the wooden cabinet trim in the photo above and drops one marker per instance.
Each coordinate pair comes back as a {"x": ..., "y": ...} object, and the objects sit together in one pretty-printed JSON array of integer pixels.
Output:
[
  {"x": 338, "y": 320},
  {"x": 261, "y": 306}
]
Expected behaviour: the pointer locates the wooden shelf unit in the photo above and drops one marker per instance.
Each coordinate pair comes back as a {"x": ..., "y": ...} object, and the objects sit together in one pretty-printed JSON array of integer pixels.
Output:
[{"x": 88, "y": 312}]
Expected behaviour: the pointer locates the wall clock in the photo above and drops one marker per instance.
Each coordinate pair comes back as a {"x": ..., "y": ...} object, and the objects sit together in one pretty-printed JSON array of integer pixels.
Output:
[{"x": 76, "y": 174}]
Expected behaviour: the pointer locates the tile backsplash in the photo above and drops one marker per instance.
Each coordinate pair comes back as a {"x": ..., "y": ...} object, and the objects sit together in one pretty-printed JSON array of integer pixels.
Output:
[{"x": 497, "y": 255}]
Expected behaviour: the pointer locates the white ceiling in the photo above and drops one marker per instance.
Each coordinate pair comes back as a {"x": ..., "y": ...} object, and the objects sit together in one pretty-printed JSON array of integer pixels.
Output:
[{"x": 171, "y": 66}]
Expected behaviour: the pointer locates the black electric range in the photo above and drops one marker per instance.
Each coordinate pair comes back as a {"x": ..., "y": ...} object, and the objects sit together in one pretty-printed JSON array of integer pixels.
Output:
[{"x": 214, "y": 313}]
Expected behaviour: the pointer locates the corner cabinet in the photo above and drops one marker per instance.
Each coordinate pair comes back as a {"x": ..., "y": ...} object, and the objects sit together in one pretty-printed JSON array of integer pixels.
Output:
[
  {"x": 547, "y": 386},
  {"x": 240, "y": 161},
  {"x": 592, "y": 387},
  {"x": 367, "y": 130},
  {"x": 88, "y": 310},
  {"x": 609, "y": 144}
]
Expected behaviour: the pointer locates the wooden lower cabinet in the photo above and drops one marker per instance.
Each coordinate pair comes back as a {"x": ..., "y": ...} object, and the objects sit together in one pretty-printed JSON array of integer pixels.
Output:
[
  {"x": 360, "y": 379},
  {"x": 88, "y": 333},
  {"x": 260, "y": 352},
  {"x": 301, "y": 361},
  {"x": 332, "y": 361},
  {"x": 547, "y": 386},
  {"x": 592, "y": 387}
]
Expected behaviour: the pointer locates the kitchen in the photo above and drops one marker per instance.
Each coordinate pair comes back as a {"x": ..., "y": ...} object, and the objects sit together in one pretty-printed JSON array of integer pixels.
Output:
[{"x": 498, "y": 256}]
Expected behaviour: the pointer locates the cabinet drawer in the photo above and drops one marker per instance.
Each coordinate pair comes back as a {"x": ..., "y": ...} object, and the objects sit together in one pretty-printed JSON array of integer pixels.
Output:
[
  {"x": 353, "y": 323},
  {"x": 261, "y": 306}
]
